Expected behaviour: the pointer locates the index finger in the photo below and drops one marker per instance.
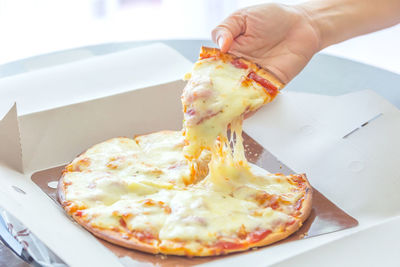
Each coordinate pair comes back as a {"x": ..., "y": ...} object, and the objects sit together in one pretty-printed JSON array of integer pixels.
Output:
[{"x": 228, "y": 30}]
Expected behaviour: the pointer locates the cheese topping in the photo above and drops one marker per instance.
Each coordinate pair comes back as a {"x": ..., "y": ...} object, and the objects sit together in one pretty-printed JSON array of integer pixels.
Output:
[
  {"x": 146, "y": 190},
  {"x": 186, "y": 189},
  {"x": 216, "y": 94}
]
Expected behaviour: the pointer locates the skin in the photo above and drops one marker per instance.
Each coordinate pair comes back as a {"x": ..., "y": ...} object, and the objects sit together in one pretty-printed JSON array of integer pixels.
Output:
[{"x": 283, "y": 38}]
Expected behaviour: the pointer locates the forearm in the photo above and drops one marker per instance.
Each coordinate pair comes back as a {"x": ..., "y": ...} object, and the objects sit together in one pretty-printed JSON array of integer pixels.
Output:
[{"x": 339, "y": 20}]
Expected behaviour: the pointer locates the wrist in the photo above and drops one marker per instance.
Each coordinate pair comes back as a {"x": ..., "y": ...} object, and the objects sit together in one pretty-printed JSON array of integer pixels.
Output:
[
  {"x": 319, "y": 15},
  {"x": 339, "y": 20}
]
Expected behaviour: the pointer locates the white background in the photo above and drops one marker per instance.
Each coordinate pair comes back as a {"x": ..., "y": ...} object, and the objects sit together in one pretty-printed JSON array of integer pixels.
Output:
[{"x": 29, "y": 28}]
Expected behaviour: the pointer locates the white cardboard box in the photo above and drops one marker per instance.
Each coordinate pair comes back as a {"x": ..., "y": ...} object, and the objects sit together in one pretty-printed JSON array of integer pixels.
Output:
[{"x": 65, "y": 109}]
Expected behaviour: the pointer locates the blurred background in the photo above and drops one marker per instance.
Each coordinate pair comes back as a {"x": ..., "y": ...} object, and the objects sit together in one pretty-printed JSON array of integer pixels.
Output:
[{"x": 29, "y": 28}]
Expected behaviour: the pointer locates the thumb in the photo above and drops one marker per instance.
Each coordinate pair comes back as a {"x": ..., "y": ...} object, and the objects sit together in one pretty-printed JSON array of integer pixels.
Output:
[
  {"x": 224, "y": 34},
  {"x": 223, "y": 38}
]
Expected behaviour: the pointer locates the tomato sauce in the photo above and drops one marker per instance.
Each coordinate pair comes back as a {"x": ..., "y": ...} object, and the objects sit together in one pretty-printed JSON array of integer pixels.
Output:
[
  {"x": 205, "y": 55},
  {"x": 144, "y": 236},
  {"x": 229, "y": 245},
  {"x": 78, "y": 213},
  {"x": 258, "y": 235},
  {"x": 239, "y": 64},
  {"x": 122, "y": 222},
  {"x": 271, "y": 89}
]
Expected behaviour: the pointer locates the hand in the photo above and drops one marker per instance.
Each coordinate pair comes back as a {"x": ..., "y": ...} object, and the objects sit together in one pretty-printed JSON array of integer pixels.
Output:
[{"x": 279, "y": 38}]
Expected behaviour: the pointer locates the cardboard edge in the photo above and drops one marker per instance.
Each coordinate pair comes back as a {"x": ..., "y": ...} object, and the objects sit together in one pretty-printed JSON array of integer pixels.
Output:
[{"x": 10, "y": 140}]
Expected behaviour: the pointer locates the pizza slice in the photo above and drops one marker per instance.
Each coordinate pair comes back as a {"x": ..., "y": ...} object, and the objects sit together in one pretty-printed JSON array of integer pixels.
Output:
[{"x": 220, "y": 89}]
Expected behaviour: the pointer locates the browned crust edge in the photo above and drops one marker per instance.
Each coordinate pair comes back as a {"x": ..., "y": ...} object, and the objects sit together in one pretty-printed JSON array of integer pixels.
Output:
[
  {"x": 266, "y": 74},
  {"x": 133, "y": 243},
  {"x": 307, "y": 201},
  {"x": 109, "y": 235}
]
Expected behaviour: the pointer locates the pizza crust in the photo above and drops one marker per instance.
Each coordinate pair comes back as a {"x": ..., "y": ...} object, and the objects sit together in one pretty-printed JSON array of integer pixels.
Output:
[
  {"x": 306, "y": 206},
  {"x": 227, "y": 57}
]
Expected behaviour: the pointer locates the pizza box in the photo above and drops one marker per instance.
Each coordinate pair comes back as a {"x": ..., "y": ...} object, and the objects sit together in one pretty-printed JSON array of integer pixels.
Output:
[{"x": 348, "y": 145}]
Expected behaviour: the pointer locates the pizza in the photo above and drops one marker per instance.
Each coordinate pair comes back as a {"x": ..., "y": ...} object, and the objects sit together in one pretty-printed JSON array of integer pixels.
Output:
[{"x": 190, "y": 192}]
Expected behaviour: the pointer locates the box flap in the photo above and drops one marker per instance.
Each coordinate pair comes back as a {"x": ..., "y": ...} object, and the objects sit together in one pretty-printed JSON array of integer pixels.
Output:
[
  {"x": 10, "y": 145},
  {"x": 92, "y": 78},
  {"x": 353, "y": 170},
  {"x": 56, "y": 136},
  {"x": 68, "y": 85},
  {"x": 369, "y": 247}
]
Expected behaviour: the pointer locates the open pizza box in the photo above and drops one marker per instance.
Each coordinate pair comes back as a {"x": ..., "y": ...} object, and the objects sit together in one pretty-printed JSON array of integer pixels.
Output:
[{"x": 348, "y": 145}]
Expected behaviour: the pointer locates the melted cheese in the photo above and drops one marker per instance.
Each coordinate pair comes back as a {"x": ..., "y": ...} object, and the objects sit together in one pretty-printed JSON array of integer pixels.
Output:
[
  {"x": 153, "y": 158},
  {"x": 164, "y": 206},
  {"x": 216, "y": 94},
  {"x": 224, "y": 91},
  {"x": 206, "y": 215},
  {"x": 195, "y": 194}
]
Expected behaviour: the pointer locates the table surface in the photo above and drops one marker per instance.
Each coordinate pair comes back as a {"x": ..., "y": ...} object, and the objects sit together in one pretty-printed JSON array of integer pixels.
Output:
[
  {"x": 326, "y": 74},
  {"x": 9, "y": 259}
]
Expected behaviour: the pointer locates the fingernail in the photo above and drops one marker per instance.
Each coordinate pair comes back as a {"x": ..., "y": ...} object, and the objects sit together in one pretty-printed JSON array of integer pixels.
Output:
[{"x": 221, "y": 41}]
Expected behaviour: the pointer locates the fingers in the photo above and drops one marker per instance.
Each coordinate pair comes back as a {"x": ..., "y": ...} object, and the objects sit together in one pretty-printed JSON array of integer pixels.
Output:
[
  {"x": 223, "y": 38},
  {"x": 224, "y": 34}
]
